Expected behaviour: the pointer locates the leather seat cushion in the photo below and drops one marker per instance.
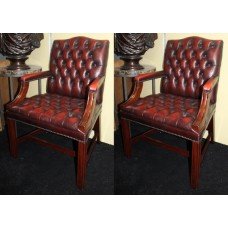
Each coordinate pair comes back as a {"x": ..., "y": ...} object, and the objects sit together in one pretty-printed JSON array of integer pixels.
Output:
[
  {"x": 53, "y": 112},
  {"x": 166, "y": 112}
]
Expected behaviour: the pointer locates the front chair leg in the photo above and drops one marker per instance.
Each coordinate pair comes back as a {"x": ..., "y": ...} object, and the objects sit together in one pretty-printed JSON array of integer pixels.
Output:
[
  {"x": 12, "y": 135},
  {"x": 195, "y": 164},
  {"x": 81, "y": 165},
  {"x": 126, "y": 136}
]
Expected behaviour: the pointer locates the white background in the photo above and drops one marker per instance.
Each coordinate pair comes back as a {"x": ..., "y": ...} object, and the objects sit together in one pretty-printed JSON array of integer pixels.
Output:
[{"x": 113, "y": 16}]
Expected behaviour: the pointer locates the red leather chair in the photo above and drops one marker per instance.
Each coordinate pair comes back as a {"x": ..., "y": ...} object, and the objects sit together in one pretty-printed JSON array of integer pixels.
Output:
[
  {"x": 72, "y": 103},
  {"x": 185, "y": 106}
]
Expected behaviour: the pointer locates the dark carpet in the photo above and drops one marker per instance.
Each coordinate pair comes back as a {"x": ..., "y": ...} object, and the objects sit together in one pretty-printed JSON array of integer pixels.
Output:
[
  {"x": 152, "y": 170},
  {"x": 40, "y": 170}
]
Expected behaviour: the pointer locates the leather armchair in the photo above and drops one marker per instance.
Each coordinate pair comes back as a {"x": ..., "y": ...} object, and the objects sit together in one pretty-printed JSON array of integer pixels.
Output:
[
  {"x": 185, "y": 106},
  {"x": 72, "y": 103}
]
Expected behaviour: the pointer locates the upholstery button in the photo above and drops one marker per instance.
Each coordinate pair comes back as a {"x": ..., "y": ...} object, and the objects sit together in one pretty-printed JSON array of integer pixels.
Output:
[
  {"x": 90, "y": 54},
  {"x": 87, "y": 73},
  {"x": 63, "y": 63},
  {"x": 212, "y": 44},
  {"x": 56, "y": 44},
  {"x": 193, "y": 54},
  {"x": 94, "y": 64},
  {"x": 185, "y": 83},
  {"x": 59, "y": 54},
  {"x": 66, "y": 45},
  {"x": 86, "y": 44},
  {"x": 190, "y": 44},
  {"x": 83, "y": 63},
  {"x": 194, "y": 83},
  {"x": 200, "y": 44},
  {"x": 79, "y": 54},
  {"x": 174, "y": 54},
  {"x": 98, "y": 45},
  {"x": 75, "y": 44},
  {"x": 69, "y": 54},
  {"x": 180, "y": 45}
]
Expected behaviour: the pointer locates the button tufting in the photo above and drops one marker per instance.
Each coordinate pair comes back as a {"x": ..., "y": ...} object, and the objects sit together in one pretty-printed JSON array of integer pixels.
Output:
[{"x": 72, "y": 60}]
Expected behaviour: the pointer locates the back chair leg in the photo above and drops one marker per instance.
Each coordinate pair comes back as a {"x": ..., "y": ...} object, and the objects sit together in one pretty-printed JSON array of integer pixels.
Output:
[
  {"x": 97, "y": 129},
  {"x": 12, "y": 135},
  {"x": 126, "y": 136},
  {"x": 81, "y": 165},
  {"x": 195, "y": 164},
  {"x": 211, "y": 129}
]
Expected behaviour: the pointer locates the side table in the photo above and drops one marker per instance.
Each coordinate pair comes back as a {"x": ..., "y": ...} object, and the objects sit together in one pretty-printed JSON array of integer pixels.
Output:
[{"x": 10, "y": 74}]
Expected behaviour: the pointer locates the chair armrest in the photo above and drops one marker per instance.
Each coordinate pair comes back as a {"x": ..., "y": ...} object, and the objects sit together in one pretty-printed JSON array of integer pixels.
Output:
[
  {"x": 210, "y": 84},
  {"x": 96, "y": 84},
  {"x": 89, "y": 114},
  {"x": 200, "y": 122},
  {"x": 35, "y": 76},
  {"x": 149, "y": 76},
  {"x": 138, "y": 85},
  {"x": 24, "y": 86}
]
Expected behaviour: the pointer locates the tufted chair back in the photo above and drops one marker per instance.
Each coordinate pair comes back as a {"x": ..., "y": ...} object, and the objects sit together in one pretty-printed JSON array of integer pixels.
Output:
[
  {"x": 188, "y": 64},
  {"x": 75, "y": 63}
]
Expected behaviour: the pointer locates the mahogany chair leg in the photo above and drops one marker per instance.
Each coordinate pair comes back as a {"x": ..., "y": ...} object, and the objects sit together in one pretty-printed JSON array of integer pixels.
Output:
[
  {"x": 189, "y": 149},
  {"x": 12, "y": 135},
  {"x": 126, "y": 136},
  {"x": 195, "y": 164},
  {"x": 211, "y": 129},
  {"x": 97, "y": 129},
  {"x": 81, "y": 165}
]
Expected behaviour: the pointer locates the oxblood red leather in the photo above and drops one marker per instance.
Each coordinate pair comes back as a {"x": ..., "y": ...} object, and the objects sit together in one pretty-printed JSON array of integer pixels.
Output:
[
  {"x": 54, "y": 111},
  {"x": 188, "y": 64},
  {"x": 74, "y": 65},
  {"x": 166, "y": 112},
  {"x": 185, "y": 106}
]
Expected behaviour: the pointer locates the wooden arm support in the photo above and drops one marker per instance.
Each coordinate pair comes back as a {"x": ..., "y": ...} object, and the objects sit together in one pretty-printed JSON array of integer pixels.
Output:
[
  {"x": 200, "y": 121},
  {"x": 149, "y": 76},
  {"x": 24, "y": 86},
  {"x": 35, "y": 76},
  {"x": 85, "y": 123},
  {"x": 138, "y": 85}
]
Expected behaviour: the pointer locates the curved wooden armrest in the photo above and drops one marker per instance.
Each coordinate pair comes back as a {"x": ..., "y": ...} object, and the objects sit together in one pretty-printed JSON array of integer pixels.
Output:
[
  {"x": 35, "y": 76},
  {"x": 149, "y": 76},
  {"x": 200, "y": 121},
  {"x": 138, "y": 85},
  {"x": 24, "y": 86},
  {"x": 96, "y": 84},
  {"x": 210, "y": 84},
  {"x": 85, "y": 123}
]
